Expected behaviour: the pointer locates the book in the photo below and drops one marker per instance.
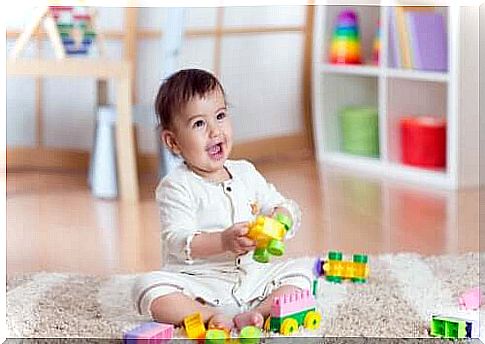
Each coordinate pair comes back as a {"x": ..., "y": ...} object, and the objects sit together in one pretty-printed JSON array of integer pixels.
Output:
[
  {"x": 428, "y": 40},
  {"x": 394, "y": 51},
  {"x": 402, "y": 35},
  {"x": 406, "y": 61}
]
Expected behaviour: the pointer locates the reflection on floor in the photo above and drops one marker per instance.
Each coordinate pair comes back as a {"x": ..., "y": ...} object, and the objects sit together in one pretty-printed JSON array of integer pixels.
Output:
[{"x": 54, "y": 224}]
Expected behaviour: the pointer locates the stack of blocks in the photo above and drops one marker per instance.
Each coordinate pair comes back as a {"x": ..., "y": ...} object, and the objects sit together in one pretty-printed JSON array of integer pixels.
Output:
[
  {"x": 149, "y": 333},
  {"x": 75, "y": 27},
  {"x": 345, "y": 46}
]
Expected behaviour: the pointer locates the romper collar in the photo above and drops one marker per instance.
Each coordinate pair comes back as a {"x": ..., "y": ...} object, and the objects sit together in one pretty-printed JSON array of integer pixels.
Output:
[{"x": 225, "y": 182}]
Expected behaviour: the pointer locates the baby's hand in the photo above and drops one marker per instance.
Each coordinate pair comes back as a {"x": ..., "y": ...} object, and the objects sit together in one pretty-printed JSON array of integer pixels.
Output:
[{"x": 234, "y": 239}]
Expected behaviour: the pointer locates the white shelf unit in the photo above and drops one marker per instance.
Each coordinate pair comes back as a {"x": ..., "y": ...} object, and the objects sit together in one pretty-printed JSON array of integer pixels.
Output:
[{"x": 397, "y": 92}]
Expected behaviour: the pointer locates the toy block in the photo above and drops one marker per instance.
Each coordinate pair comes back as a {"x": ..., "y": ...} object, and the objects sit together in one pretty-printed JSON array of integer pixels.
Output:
[
  {"x": 268, "y": 234},
  {"x": 453, "y": 327},
  {"x": 292, "y": 303},
  {"x": 151, "y": 333},
  {"x": 472, "y": 299},
  {"x": 194, "y": 326}
]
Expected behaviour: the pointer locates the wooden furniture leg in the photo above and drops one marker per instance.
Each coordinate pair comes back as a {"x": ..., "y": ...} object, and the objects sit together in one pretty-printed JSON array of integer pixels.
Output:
[{"x": 125, "y": 146}]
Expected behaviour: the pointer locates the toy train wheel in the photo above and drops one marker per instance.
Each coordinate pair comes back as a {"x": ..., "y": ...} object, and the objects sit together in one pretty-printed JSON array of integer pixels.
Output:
[
  {"x": 276, "y": 248},
  {"x": 288, "y": 327},
  {"x": 360, "y": 258},
  {"x": 267, "y": 324},
  {"x": 312, "y": 320},
  {"x": 261, "y": 255},
  {"x": 335, "y": 255}
]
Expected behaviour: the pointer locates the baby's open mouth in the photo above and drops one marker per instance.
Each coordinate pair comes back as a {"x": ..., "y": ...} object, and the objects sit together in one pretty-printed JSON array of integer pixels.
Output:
[{"x": 216, "y": 152}]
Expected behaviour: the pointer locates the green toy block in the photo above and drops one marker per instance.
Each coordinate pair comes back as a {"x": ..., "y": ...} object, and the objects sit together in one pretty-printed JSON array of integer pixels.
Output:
[
  {"x": 261, "y": 255},
  {"x": 284, "y": 220},
  {"x": 275, "y": 323},
  {"x": 276, "y": 248},
  {"x": 335, "y": 255},
  {"x": 250, "y": 335}
]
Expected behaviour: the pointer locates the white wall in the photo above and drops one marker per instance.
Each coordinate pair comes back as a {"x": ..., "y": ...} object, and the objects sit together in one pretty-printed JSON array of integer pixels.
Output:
[
  {"x": 262, "y": 76},
  {"x": 482, "y": 95}
]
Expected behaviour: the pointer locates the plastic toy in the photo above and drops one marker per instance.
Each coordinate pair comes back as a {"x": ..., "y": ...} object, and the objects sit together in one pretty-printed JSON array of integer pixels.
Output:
[
  {"x": 195, "y": 329},
  {"x": 345, "y": 46},
  {"x": 423, "y": 141},
  {"x": 248, "y": 335},
  {"x": 290, "y": 311},
  {"x": 194, "y": 326},
  {"x": 215, "y": 336},
  {"x": 376, "y": 45},
  {"x": 472, "y": 299},
  {"x": 75, "y": 28},
  {"x": 153, "y": 332},
  {"x": 451, "y": 327},
  {"x": 334, "y": 269},
  {"x": 268, "y": 233}
]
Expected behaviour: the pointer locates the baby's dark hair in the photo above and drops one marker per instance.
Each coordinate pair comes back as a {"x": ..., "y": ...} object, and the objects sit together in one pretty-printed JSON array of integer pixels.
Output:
[{"x": 178, "y": 89}]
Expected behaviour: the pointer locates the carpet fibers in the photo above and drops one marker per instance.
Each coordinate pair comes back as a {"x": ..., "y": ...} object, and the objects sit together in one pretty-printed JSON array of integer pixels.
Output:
[{"x": 402, "y": 293}]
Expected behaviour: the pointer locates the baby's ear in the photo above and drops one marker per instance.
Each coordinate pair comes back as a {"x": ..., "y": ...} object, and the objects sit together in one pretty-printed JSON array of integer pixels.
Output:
[{"x": 169, "y": 139}]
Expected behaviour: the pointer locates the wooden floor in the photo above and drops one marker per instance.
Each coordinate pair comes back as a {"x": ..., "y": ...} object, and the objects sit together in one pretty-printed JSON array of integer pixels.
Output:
[{"x": 54, "y": 224}]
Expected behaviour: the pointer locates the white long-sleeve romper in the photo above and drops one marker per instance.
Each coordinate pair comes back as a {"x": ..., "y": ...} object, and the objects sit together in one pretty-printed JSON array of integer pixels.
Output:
[{"x": 190, "y": 205}]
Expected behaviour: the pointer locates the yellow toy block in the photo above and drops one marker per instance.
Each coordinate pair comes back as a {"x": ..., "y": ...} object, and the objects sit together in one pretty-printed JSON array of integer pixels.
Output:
[
  {"x": 268, "y": 234},
  {"x": 194, "y": 326}
]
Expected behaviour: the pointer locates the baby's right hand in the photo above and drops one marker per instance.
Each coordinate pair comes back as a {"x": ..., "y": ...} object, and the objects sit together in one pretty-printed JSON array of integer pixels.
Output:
[{"x": 234, "y": 239}]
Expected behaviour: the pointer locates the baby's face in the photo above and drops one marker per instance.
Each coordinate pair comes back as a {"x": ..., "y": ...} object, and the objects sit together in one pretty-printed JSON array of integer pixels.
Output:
[{"x": 203, "y": 133}]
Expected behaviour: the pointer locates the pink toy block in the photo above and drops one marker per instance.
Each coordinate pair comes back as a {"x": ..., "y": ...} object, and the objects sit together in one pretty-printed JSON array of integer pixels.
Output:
[
  {"x": 149, "y": 333},
  {"x": 292, "y": 303},
  {"x": 472, "y": 299}
]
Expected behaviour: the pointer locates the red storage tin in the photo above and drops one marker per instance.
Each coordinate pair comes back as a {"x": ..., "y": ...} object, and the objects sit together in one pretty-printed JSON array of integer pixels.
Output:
[{"x": 423, "y": 141}]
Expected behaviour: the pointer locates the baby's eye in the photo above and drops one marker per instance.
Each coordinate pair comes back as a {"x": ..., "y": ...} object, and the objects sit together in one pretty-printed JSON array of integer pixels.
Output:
[
  {"x": 198, "y": 124},
  {"x": 221, "y": 115}
]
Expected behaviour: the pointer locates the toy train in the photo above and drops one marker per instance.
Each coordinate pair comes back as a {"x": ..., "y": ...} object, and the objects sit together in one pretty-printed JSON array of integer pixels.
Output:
[
  {"x": 290, "y": 311},
  {"x": 335, "y": 269}
]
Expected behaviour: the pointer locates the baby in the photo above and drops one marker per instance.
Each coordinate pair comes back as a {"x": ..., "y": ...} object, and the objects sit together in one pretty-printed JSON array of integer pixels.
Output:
[{"x": 205, "y": 206}]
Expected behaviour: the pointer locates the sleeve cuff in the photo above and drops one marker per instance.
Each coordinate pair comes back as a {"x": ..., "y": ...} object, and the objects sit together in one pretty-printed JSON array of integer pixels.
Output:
[
  {"x": 295, "y": 212},
  {"x": 187, "y": 248}
]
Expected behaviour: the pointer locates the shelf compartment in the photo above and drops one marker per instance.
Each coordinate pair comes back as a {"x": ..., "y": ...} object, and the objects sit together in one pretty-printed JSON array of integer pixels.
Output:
[
  {"x": 409, "y": 98},
  {"x": 342, "y": 91},
  {"x": 368, "y": 17},
  {"x": 394, "y": 48}
]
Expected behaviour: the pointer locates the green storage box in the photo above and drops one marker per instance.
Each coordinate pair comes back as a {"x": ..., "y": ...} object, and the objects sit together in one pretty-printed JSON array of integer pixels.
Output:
[{"x": 359, "y": 130}]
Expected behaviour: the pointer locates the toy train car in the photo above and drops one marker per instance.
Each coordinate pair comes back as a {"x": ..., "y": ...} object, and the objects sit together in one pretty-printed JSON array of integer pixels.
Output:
[
  {"x": 290, "y": 311},
  {"x": 335, "y": 269}
]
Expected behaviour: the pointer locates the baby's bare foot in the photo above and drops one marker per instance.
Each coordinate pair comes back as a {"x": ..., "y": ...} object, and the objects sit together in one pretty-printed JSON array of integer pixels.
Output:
[
  {"x": 220, "y": 321},
  {"x": 249, "y": 318}
]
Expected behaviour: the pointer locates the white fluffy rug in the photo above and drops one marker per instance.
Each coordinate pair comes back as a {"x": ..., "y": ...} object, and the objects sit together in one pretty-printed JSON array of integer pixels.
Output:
[{"x": 402, "y": 293}]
